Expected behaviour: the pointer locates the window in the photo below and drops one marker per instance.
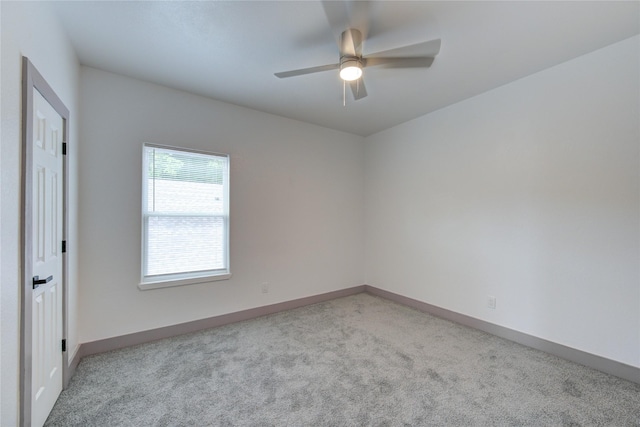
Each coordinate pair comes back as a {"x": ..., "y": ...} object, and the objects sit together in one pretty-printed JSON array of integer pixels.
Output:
[{"x": 185, "y": 217}]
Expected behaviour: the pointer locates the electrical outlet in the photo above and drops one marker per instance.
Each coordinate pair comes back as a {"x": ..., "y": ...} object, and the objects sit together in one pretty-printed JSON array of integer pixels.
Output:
[
  {"x": 491, "y": 302},
  {"x": 265, "y": 288}
]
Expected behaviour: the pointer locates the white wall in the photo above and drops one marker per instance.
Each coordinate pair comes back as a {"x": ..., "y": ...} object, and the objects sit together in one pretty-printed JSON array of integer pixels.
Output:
[
  {"x": 529, "y": 193},
  {"x": 30, "y": 29},
  {"x": 297, "y": 197}
]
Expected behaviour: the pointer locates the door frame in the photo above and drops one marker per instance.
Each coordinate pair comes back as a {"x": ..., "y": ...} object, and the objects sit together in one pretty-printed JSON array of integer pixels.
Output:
[{"x": 33, "y": 80}]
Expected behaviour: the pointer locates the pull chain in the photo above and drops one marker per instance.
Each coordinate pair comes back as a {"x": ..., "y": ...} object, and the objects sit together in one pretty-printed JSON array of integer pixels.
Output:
[{"x": 344, "y": 93}]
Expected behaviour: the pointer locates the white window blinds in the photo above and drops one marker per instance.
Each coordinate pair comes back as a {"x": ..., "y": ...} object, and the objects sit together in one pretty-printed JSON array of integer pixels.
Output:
[{"x": 185, "y": 214}]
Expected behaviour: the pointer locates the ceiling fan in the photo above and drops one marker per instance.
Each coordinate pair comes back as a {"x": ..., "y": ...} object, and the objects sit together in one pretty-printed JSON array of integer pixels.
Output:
[{"x": 352, "y": 61}]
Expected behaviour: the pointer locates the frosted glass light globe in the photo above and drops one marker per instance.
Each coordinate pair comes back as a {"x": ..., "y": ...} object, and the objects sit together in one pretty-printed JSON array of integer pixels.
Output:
[{"x": 351, "y": 70}]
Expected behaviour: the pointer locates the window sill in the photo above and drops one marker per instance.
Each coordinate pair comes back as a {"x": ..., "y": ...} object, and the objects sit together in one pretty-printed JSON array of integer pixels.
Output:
[{"x": 145, "y": 286}]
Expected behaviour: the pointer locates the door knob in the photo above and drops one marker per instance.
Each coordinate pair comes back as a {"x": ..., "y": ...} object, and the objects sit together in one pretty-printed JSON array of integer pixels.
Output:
[{"x": 37, "y": 281}]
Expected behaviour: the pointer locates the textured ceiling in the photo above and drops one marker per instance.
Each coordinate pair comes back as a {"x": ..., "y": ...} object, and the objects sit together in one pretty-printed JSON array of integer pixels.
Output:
[{"x": 229, "y": 50}]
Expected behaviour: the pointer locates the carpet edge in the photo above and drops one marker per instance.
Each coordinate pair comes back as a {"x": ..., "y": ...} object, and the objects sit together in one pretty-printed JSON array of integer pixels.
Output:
[
  {"x": 603, "y": 364},
  {"x": 128, "y": 340},
  {"x": 599, "y": 363}
]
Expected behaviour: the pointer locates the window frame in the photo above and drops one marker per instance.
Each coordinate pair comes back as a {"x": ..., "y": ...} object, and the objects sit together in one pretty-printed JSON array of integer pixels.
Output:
[{"x": 190, "y": 277}]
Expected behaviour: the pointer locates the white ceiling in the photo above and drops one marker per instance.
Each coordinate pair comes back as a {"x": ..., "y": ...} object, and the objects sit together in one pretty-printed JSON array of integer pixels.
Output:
[{"x": 229, "y": 50}]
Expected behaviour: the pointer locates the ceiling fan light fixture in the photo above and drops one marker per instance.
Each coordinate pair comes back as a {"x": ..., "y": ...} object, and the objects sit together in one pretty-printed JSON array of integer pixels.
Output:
[{"x": 350, "y": 70}]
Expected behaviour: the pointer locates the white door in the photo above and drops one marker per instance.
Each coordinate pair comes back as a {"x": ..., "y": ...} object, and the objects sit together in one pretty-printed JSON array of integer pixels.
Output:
[{"x": 47, "y": 208}]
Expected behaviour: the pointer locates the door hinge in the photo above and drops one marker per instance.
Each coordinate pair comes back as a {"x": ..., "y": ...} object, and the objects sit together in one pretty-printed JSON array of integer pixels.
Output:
[
  {"x": 64, "y": 148},
  {"x": 64, "y": 345},
  {"x": 64, "y": 246}
]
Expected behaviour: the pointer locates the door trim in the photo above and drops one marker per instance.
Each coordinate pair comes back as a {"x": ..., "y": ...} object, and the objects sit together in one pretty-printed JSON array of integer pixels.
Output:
[{"x": 33, "y": 80}]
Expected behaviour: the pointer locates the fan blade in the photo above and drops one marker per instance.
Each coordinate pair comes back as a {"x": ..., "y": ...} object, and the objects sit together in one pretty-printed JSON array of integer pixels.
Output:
[
  {"x": 430, "y": 48},
  {"x": 351, "y": 43},
  {"x": 410, "y": 62},
  {"x": 304, "y": 71},
  {"x": 358, "y": 89},
  {"x": 360, "y": 16},
  {"x": 343, "y": 15},
  {"x": 338, "y": 17}
]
